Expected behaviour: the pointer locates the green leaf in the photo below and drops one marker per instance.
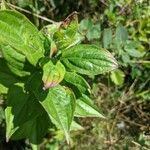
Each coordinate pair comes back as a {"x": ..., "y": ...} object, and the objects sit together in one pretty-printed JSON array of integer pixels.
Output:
[
  {"x": 88, "y": 59},
  {"x": 24, "y": 105},
  {"x": 131, "y": 48},
  {"x": 52, "y": 74},
  {"x": 107, "y": 38},
  {"x": 89, "y": 29},
  {"x": 117, "y": 76},
  {"x": 6, "y": 77},
  {"x": 121, "y": 35},
  {"x": 59, "y": 102},
  {"x": 71, "y": 26},
  {"x": 10, "y": 128},
  {"x": 33, "y": 86},
  {"x": 24, "y": 3},
  {"x": 78, "y": 81},
  {"x": 15, "y": 61},
  {"x": 3, "y": 89},
  {"x": 66, "y": 34},
  {"x": 76, "y": 127},
  {"x": 145, "y": 95},
  {"x": 86, "y": 108},
  {"x": 34, "y": 129},
  {"x": 23, "y": 115},
  {"x": 49, "y": 30},
  {"x": 19, "y": 33},
  {"x": 85, "y": 25},
  {"x": 94, "y": 32}
]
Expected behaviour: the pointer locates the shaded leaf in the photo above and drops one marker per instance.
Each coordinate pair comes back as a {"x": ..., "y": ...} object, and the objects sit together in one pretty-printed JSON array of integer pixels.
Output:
[
  {"x": 7, "y": 79},
  {"x": 34, "y": 129},
  {"x": 121, "y": 36},
  {"x": 23, "y": 116},
  {"x": 77, "y": 80},
  {"x": 131, "y": 48},
  {"x": 89, "y": 29},
  {"x": 107, "y": 38}
]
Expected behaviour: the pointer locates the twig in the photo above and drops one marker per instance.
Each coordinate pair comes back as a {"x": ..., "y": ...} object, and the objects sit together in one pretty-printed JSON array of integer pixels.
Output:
[
  {"x": 131, "y": 122},
  {"x": 132, "y": 86},
  {"x": 141, "y": 62},
  {"x": 124, "y": 95},
  {"x": 103, "y": 1},
  {"x": 28, "y": 12}
]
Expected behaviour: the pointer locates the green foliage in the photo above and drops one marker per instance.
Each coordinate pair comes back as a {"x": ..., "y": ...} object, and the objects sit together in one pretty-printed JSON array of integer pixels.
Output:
[
  {"x": 122, "y": 27},
  {"x": 89, "y": 29},
  {"x": 45, "y": 91},
  {"x": 52, "y": 74},
  {"x": 107, "y": 38},
  {"x": 85, "y": 107},
  {"x": 88, "y": 59},
  {"x": 117, "y": 77},
  {"x": 21, "y": 35}
]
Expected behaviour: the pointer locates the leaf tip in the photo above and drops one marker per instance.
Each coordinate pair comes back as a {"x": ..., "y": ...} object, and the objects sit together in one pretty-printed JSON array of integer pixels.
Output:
[
  {"x": 115, "y": 65},
  {"x": 7, "y": 139},
  {"x": 48, "y": 85},
  {"x": 67, "y": 138}
]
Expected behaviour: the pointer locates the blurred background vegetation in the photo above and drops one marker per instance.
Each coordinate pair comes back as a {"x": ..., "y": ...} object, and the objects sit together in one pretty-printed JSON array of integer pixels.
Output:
[{"x": 122, "y": 27}]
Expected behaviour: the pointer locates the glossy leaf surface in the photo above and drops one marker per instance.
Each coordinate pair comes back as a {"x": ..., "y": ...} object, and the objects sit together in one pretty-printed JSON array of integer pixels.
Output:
[{"x": 88, "y": 59}]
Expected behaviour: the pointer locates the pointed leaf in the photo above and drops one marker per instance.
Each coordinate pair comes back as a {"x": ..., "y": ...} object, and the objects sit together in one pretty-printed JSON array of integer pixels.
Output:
[
  {"x": 34, "y": 129},
  {"x": 22, "y": 112},
  {"x": 59, "y": 102},
  {"x": 76, "y": 127},
  {"x": 88, "y": 59},
  {"x": 10, "y": 128},
  {"x": 86, "y": 108},
  {"x": 77, "y": 80},
  {"x": 18, "y": 32}
]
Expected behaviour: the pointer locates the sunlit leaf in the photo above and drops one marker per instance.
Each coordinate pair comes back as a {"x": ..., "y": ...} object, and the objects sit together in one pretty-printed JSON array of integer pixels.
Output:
[
  {"x": 88, "y": 59},
  {"x": 19, "y": 33},
  {"x": 117, "y": 77},
  {"x": 59, "y": 102},
  {"x": 86, "y": 108}
]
